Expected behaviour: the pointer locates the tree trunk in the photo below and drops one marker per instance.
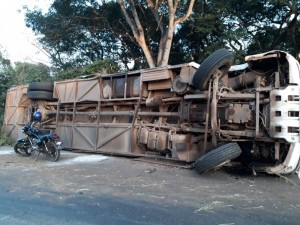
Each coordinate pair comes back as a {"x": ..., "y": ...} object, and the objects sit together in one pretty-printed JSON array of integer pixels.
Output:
[
  {"x": 168, "y": 38},
  {"x": 147, "y": 52},
  {"x": 138, "y": 31},
  {"x": 167, "y": 30},
  {"x": 166, "y": 48}
]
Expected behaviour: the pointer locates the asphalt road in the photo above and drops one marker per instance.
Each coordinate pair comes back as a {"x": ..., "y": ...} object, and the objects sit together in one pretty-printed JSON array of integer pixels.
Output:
[{"x": 94, "y": 189}]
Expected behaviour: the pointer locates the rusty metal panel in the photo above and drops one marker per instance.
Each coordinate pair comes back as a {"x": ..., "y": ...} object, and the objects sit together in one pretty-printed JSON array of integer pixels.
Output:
[
  {"x": 135, "y": 148},
  {"x": 238, "y": 113},
  {"x": 187, "y": 74},
  {"x": 160, "y": 85},
  {"x": 88, "y": 90},
  {"x": 78, "y": 136},
  {"x": 78, "y": 90},
  {"x": 156, "y": 75},
  {"x": 10, "y": 115},
  {"x": 15, "y": 110},
  {"x": 65, "y": 91},
  {"x": 15, "y": 96},
  {"x": 184, "y": 150},
  {"x": 13, "y": 131},
  {"x": 84, "y": 137},
  {"x": 114, "y": 139},
  {"x": 162, "y": 93},
  {"x": 66, "y": 134}
]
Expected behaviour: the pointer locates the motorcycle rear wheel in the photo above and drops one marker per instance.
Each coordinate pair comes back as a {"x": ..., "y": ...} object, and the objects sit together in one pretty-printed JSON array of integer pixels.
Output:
[
  {"x": 53, "y": 152},
  {"x": 21, "y": 149}
]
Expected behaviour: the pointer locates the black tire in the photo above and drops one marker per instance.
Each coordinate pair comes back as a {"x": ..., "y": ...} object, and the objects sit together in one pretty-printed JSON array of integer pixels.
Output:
[
  {"x": 41, "y": 86},
  {"x": 53, "y": 152},
  {"x": 20, "y": 149},
  {"x": 217, "y": 157},
  {"x": 221, "y": 59},
  {"x": 40, "y": 95}
]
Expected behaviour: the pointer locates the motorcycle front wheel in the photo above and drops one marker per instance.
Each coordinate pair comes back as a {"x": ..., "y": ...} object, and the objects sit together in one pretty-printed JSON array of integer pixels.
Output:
[
  {"x": 21, "y": 149},
  {"x": 53, "y": 152}
]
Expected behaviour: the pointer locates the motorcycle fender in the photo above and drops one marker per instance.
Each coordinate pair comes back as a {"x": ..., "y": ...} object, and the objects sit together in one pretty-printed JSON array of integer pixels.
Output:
[{"x": 22, "y": 140}]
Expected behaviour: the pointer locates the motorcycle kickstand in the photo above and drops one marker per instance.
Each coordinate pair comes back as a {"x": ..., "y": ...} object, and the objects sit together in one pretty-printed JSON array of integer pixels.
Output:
[{"x": 37, "y": 157}]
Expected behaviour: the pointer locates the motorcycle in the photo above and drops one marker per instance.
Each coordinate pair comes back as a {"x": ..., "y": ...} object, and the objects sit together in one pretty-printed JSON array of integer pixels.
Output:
[{"x": 36, "y": 141}]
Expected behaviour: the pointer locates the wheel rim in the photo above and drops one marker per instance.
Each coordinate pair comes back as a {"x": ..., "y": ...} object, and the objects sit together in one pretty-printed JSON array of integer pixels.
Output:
[
  {"x": 53, "y": 153},
  {"x": 20, "y": 149}
]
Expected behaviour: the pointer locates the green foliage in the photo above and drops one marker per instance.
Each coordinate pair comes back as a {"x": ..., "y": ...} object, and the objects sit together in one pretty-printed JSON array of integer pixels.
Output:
[
  {"x": 76, "y": 33},
  {"x": 5, "y": 141},
  {"x": 248, "y": 28},
  {"x": 79, "y": 32},
  {"x": 22, "y": 73},
  {"x": 102, "y": 67},
  {"x": 201, "y": 35},
  {"x": 258, "y": 26},
  {"x": 7, "y": 75},
  {"x": 26, "y": 73}
]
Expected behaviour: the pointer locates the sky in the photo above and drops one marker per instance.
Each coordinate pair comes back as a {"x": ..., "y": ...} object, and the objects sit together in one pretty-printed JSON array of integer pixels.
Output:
[{"x": 17, "y": 42}]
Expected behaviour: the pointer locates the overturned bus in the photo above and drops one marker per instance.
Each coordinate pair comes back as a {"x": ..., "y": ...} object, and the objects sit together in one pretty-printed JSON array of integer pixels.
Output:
[{"x": 206, "y": 115}]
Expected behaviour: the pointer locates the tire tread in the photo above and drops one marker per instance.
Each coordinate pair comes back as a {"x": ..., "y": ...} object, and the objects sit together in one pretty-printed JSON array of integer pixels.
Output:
[
  {"x": 40, "y": 95},
  {"x": 41, "y": 86},
  {"x": 220, "y": 58},
  {"x": 217, "y": 156}
]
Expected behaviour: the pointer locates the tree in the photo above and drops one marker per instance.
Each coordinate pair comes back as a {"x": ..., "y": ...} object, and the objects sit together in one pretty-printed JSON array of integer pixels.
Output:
[
  {"x": 167, "y": 16},
  {"x": 279, "y": 29},
  {"x": 7, "y": 75},
  {"x": 252, "y": 27},
  {"x": 26, "y": 73},
  {"x": 102, "y": 67},
  {"x": 79, "y": 32},
  {"x": 20, "y": 73},
  {"x": 202, "y": 34},
  {"x": 257, "y": 26}
]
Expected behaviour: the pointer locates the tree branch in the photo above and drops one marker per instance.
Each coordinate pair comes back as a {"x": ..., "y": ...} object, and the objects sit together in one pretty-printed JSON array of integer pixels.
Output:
[
  {"x": 154, "y": 9},
  {"x": 136, "y": 19},
  {"x": 151, "y": 4},
  {"x": 128, "y": 20},
  {"x": 138, "y": 31},
  {"x": 188, "y": 13}
]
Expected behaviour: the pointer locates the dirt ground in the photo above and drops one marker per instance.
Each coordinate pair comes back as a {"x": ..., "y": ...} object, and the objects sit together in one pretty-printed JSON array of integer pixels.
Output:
[{"x": 163, "y": 194}]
